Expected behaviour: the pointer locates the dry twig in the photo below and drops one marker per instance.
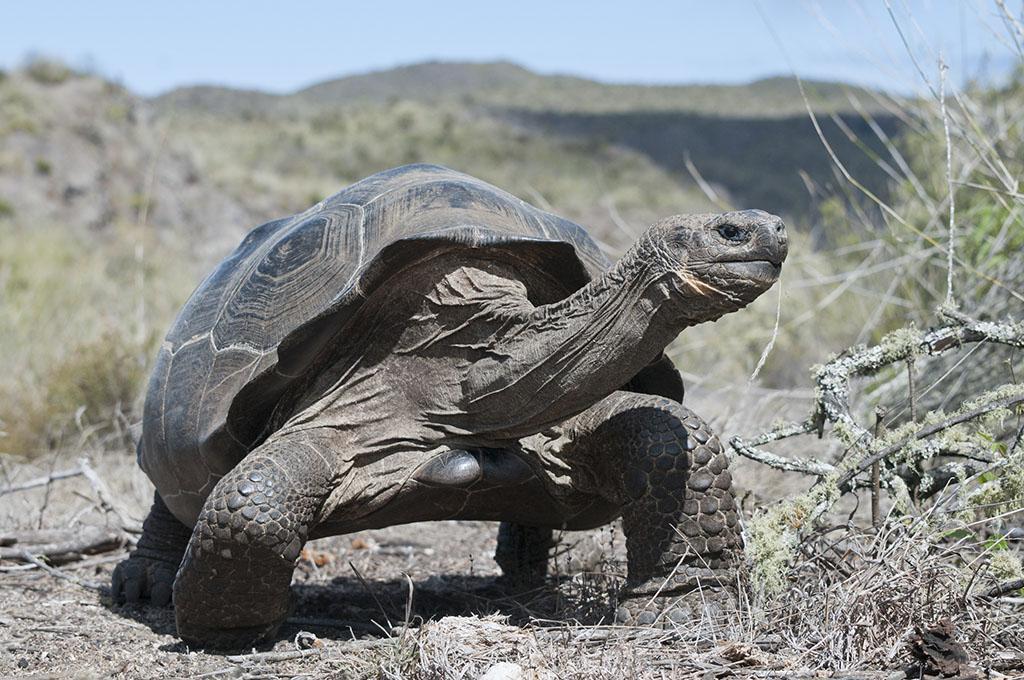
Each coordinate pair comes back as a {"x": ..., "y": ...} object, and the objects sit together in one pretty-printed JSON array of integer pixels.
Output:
[
  {"x": 289, "y": 655},
  {"x": 107, "y": 500},
  {"x": 41, "y": 481},
  {"x": 53, "y": 571}
]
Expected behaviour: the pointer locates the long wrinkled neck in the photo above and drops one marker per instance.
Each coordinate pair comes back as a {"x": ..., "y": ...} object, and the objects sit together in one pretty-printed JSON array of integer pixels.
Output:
[{"x": 563, "y": 357}]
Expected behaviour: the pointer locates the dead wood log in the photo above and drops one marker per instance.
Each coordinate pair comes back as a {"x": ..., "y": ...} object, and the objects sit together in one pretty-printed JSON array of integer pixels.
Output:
[{"x": 60, "y": 546}]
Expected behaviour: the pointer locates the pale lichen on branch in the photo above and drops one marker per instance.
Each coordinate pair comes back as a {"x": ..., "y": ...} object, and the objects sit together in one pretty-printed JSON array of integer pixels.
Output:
[{"x": 935, "y": 434}]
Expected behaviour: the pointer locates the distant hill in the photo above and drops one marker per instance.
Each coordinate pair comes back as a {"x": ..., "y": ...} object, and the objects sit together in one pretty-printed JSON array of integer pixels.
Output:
[
  {"x": 217, "y": 100},
  {"x": 504, "y": 84},
  {"x": 760, "y": 162},
  {"x": 753, "y": 143},
  {"x": 206, "y": 163},
  {"x": 85, "y": 154}
]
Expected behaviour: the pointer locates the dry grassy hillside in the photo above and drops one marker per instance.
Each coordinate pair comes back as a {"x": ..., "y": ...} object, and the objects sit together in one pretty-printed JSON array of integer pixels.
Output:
[
  {"x": 139, "y": 199},
  {"x": 753, "y": 143}
]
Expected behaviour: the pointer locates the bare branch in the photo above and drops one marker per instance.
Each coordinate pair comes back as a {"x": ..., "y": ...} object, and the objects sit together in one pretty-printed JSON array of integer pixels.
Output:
[
  {"x": 41, "y": 481},
  {"x": 52, "y": 571},
  {"x": 106, "y": 499},
  {"x": 1004, "y": 588},
  {"x": 832, "y": 405}
]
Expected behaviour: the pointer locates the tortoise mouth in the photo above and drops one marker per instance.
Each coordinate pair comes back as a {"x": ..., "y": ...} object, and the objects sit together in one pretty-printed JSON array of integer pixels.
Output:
[{"x": 756, "y": 270}]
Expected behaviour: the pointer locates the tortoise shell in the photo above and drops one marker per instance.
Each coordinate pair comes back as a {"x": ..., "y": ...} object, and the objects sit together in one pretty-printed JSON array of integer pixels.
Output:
[{"x": 258, "y": 321}]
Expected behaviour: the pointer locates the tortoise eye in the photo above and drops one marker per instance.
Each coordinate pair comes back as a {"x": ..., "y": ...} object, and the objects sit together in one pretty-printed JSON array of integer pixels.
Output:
[{"x": 730, "y": 232}]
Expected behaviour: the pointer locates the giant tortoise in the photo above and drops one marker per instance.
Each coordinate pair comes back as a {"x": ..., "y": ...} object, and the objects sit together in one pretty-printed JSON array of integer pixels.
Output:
[{"x": 425, "y": 346}]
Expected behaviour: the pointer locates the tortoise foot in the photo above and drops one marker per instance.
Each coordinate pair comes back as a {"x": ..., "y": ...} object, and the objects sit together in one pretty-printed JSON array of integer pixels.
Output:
[
  {"x": 144, "y": 578},
  {"x": 704, "y": 606},
  {"x": 231, "y": 603},
  {"x": 148, "y": 573}
]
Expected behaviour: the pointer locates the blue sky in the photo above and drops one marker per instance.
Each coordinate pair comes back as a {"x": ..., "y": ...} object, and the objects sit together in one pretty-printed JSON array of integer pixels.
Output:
[{"x": 278, "y": 46}]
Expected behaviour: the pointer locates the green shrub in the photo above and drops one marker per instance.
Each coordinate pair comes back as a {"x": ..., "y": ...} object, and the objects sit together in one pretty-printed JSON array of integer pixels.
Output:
[
  {"x": 47, "y": 71},
  {"x": 80, "y": 316},
  {"x": 96, "y": 383},
  {"x": 18, "y": 111}
]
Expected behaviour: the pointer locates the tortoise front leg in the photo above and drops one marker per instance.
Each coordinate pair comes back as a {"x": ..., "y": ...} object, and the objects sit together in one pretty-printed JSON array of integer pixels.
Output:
[
  {"x": 667, "y": 470},
  {"x": 233, "y": 587},
  {"x": 681, "y": 525}
]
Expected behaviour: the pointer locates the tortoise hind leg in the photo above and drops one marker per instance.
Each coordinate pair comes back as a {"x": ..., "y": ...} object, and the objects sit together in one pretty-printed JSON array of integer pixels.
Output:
[
  {"x": 233, "y": 588},
  {"x": 148, "y": 573},
  {"x": 522, "y": 554}
]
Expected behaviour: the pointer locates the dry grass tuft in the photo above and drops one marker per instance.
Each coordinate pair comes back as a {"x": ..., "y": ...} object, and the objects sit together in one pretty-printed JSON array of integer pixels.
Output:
[
  {"x": 469, "y": 646},
  {"x": 855, "y": 599},
  {"x": 81, "y": 314}
]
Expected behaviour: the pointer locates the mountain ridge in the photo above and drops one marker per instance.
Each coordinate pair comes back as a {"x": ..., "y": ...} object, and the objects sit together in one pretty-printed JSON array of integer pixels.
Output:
[{"x": 504, "y": 83}]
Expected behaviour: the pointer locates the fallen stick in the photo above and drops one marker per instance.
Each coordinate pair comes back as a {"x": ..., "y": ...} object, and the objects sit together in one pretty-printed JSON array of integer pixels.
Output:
[
  {"x": 271, "y": 657},
  {"x": 41, "y": 481},
  {"x": 223, "y": 671},
  {"x": 61, "y": 546},
  {"x": 57, "y": 573},
  {"x": 289, "y": 655}
]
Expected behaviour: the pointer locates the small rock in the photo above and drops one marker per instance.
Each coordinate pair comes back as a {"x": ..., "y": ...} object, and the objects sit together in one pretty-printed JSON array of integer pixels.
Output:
[
  {"x": 306, "y": 640},
  {"x": 317, "y": 557},
  {"x": 504, "y": 671}
]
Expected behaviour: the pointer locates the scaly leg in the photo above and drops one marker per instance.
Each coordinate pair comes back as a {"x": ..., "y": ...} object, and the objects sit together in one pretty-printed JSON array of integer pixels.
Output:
[
  {"x": 667, "y": 470},
  {"x": 233, "y": 588},
  {"x": 522, "y": 554}
]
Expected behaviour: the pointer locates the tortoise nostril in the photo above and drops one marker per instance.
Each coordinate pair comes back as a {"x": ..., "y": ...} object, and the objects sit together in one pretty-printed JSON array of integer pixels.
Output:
[{"x": 780, "y": 231}]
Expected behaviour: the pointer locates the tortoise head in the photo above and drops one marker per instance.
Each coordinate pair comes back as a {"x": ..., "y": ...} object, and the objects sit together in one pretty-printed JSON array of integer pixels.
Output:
[{"x": 718, "y": 263}]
